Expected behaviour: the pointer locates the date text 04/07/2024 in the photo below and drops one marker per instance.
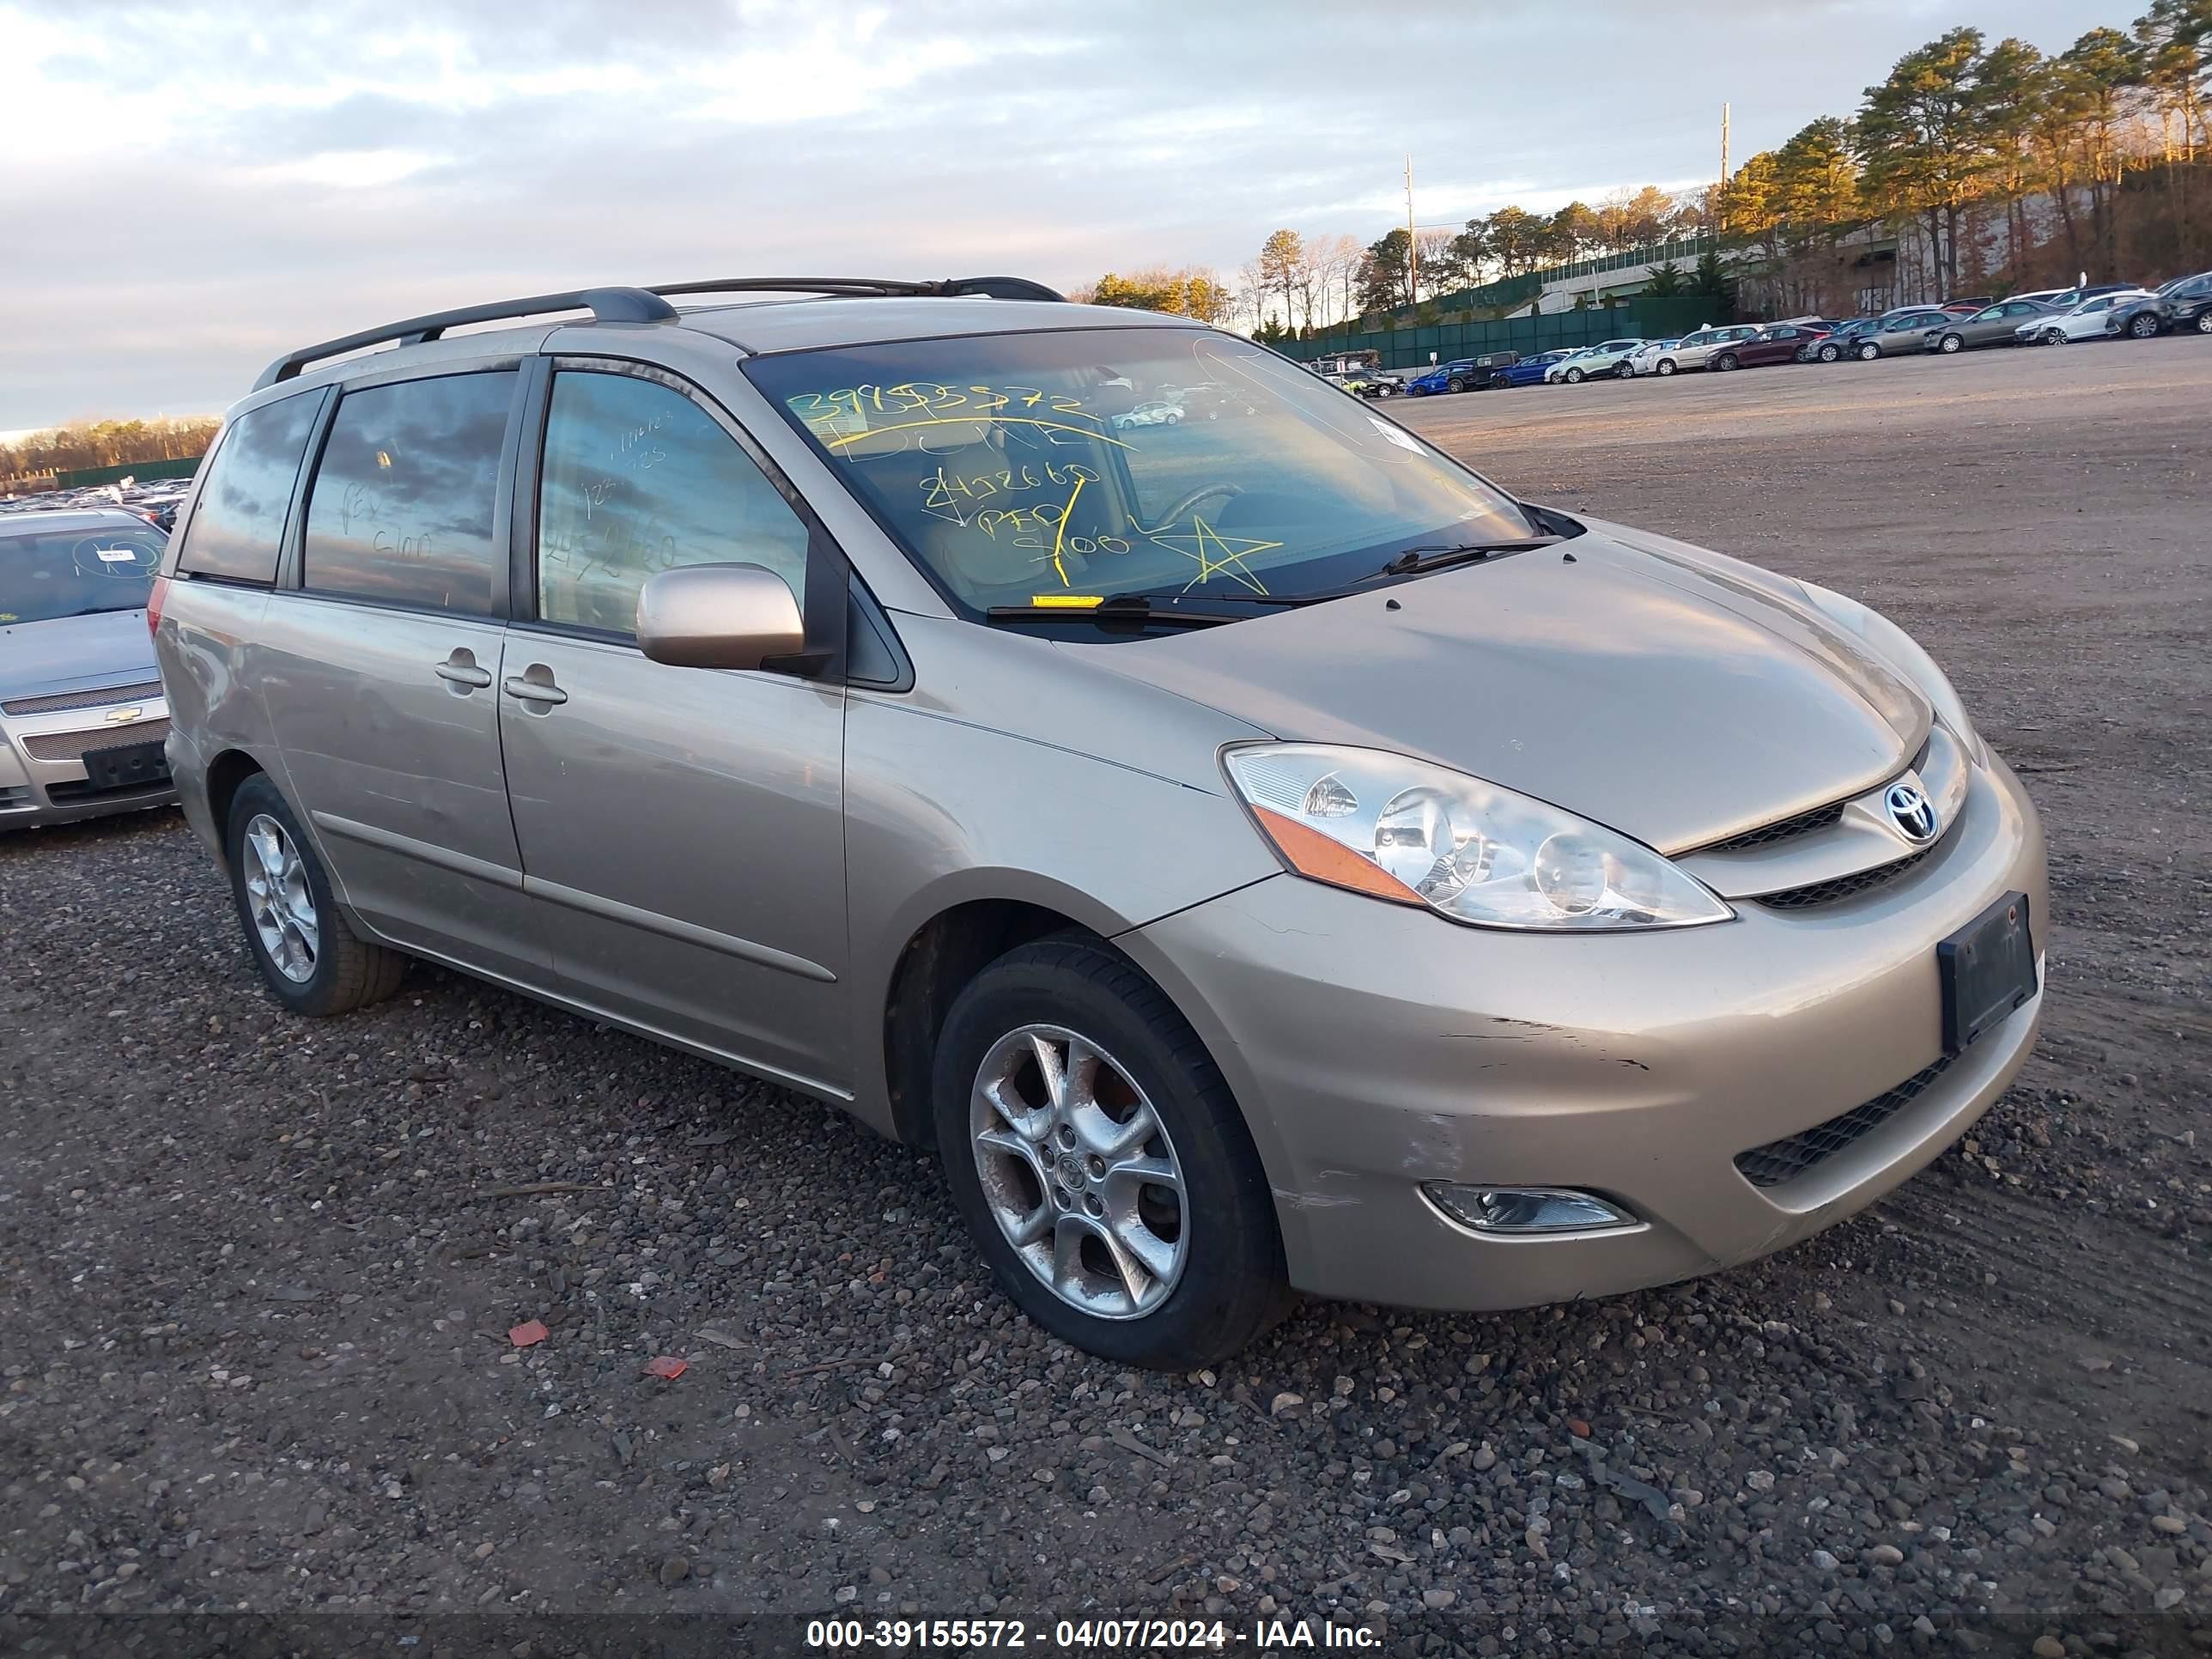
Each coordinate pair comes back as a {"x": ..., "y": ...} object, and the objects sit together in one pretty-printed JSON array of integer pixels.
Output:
[{"x": 1087, "y": 1635}]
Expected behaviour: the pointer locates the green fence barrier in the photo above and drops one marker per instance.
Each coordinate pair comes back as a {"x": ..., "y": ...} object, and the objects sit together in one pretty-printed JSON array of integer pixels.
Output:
[{"x": 183, "y": 467}]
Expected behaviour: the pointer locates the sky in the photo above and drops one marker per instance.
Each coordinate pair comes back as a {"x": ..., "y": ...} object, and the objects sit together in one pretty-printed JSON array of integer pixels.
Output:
[{"x": 189, "y": 188}]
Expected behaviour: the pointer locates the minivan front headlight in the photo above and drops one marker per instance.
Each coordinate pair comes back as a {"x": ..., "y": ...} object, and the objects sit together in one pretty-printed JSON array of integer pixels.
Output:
[
  {"x": 1402, "y": 830},
  {"x": 1905, "y": 654}
]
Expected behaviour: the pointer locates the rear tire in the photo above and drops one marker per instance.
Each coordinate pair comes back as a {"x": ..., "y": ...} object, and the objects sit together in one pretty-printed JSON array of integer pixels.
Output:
[
  {"x": 2204, "y": 322},
  {"x": 310, "y": 961},
  {"x": 1224, "y": 1282}
]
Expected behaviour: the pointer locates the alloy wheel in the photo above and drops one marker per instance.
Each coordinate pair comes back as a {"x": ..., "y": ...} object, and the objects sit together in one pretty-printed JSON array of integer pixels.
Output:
[
  {"x": 2204, "y": 322},
  {"x": 280, "y": 903},
  {"x": 1078, "y": 1172},
  {"x": 1953, "y": 342},
  {"x": 2143, "y": 327}
]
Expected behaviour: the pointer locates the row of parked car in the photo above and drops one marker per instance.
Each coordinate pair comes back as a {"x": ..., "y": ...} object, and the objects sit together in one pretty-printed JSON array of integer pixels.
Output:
[
  {"x": 155, "y": 500},
  {"x": 2050, "y": 317}
]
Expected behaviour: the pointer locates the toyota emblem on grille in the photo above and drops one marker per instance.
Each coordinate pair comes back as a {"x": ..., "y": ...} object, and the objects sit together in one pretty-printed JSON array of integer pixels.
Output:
[{"x": 1911, "y": 811}]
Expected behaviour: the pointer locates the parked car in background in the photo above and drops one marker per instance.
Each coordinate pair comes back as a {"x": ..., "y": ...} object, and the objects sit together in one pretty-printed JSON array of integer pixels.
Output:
[
  {"x": 1445, "y": 377},
  {"x": 2065, "y": 299},
  {"x": 1158, "y": 412},
  {"x": 1645, "y": 359},
  {"x": 1844, "y": 338},
  {"x": 1529, "y": 371},
  {"x": 81, "y": 713},
  {"x": 2086, "y": 321},
  {"x": 1993, "y": 325},
  {"x": 1777, "y": 342},
  {"x": 1900, "y": 334},
  {"x": 1129, "y": 858},
  {"x": 1608, "y": 360},
  {"x": 1695, "y": 350},
  {"x": 2181, "y": 305},
  {"x": 1374, "y": 382}
]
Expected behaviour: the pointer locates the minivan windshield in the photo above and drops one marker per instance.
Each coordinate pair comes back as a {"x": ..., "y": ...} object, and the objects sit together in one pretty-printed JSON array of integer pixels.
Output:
[
  {"x": 48, "y": 575},
  {"x": 1025, "y": 469}
]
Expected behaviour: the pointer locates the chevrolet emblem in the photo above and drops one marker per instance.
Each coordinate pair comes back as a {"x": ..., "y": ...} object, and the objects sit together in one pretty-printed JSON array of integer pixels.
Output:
[{"x": 118, "y": 716}]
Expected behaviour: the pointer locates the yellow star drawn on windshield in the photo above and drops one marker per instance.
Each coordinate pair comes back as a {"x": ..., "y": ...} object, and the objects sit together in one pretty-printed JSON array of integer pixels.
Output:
[{"x": 1215, "y": 554}]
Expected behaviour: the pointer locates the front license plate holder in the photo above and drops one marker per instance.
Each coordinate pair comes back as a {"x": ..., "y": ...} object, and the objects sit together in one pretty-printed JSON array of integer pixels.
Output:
[
  {"x": 134, "y": 765},
  {"x": 1987, "y": 970}
]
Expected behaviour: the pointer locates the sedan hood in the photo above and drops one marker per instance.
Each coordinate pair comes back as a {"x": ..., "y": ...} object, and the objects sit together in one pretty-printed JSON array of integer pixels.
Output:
[
  {"x": 73, "y": 653},
  {"x": 1665, "y": 692}
]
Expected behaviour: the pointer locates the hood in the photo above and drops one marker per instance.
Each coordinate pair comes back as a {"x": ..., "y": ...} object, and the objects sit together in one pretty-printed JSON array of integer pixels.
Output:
[
  {"x": 70, "y": 652},
  {"x": 1666, "y": 692}
]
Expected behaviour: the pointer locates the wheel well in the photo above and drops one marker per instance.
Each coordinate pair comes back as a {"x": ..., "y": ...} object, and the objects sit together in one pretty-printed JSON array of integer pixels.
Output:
[
  {"x": 229, "y": 772},
  {"x": 937, "y": 964}
]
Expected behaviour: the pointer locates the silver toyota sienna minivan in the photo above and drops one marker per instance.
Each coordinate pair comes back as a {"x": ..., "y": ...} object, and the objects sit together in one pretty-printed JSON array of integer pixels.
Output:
[{"x": 1257, "y": 852}]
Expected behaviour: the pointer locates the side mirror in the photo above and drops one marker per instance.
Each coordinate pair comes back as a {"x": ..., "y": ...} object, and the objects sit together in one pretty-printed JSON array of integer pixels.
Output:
[{"x": 719, "y": 616}]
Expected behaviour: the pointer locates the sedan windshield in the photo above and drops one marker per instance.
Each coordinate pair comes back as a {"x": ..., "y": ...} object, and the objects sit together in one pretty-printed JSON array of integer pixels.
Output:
[
  {"x": 47, "y": 574},
  {"x": 1021, "y": 469}
]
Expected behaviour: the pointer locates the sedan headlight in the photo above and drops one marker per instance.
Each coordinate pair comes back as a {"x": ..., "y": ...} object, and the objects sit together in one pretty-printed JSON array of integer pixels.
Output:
[
  {"x": 1402, "y": 830},
  {"x": 1904, "y": 653}
]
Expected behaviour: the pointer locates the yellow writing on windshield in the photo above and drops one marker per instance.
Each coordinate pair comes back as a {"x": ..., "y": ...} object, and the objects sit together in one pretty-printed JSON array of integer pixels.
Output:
[
  {"x": 1215, "y": 554},
  {"x": 844, "y": 439}
]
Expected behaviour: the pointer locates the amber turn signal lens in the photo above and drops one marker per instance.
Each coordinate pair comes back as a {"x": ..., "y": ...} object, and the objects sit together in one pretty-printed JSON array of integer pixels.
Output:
[{"x": 1312, "y": 854}]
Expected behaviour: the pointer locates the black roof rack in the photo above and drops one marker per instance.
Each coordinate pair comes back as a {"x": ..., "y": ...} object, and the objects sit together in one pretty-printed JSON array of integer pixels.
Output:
[
  {"x": 607, "y": 305},
  {"x": 994, "y": 288},
  {"x": 643, "y": 305}
]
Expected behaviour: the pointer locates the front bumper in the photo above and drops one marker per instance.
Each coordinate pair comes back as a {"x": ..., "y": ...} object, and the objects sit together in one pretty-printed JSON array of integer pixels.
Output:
[
  {"x": 1375, "y": 1047},
  {"x": 42, "y": 771}
]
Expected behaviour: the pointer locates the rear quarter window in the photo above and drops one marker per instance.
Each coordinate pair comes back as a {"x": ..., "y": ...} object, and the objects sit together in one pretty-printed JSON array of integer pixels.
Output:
[{"x": 237, "y": 528}]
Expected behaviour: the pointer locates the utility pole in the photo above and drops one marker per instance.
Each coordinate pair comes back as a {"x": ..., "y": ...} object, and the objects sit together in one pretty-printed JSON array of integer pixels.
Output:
[
  {"x": 1412, "y": 243},
  {"x": 1720, "y": 201}
]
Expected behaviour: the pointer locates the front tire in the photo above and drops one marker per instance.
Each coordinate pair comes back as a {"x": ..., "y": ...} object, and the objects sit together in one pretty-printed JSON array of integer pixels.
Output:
[
  {"x": 1096, "y": 1156},
  {"x": 310, "y": 961},
  {"x": 1624, "y": 373},
  {"x": 2143, "y": 326},
  {"x": 1951, "y": 343},
  {"x": 1573, "y": 377},
  {"x": 1868, "y": 352},
  {"x": 1829, "y": 354},
  {"x": 1666, "y": 366},
  {"x": 1725, "y": 361},
  {"x": 1455, "y": 385}
]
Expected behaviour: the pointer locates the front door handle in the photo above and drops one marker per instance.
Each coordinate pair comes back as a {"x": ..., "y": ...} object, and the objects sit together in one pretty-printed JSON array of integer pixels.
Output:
[
  {"x": 527, "y": 690},
  {"x": 460, "y": 669}
]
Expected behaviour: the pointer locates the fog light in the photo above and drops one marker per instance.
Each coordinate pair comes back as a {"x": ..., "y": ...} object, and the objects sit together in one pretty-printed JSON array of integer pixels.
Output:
[{"x": 1526, "y": 1209}]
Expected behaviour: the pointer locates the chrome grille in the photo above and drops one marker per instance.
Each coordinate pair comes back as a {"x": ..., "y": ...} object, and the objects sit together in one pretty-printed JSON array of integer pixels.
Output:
[
  {"x": 1840, "y": 887},
  {"x": 68, "y": 745},
  {"x": 142, "y": 692},
  {"x": 1780, "y": 1162}
]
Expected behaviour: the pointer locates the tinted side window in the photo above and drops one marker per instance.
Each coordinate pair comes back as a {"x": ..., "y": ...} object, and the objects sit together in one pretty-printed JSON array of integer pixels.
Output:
[
  {"x": 637, "y": 480},
  {"x": 239, "y": 521},
  {"x": 401, "y": 507}
]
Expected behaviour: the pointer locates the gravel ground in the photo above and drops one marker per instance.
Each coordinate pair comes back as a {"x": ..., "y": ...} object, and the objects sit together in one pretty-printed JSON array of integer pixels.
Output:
[{"x": 261, "y": 1273}]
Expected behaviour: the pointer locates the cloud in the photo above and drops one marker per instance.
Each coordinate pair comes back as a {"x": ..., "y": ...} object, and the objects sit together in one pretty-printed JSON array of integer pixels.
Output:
[{"x": 193, "y": 188}]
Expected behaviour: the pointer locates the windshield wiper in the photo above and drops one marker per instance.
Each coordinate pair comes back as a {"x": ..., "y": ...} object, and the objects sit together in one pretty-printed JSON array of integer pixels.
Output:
[
  {"x": 1134, "y": 609},
  {"x": 1419, "y": 561}
]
